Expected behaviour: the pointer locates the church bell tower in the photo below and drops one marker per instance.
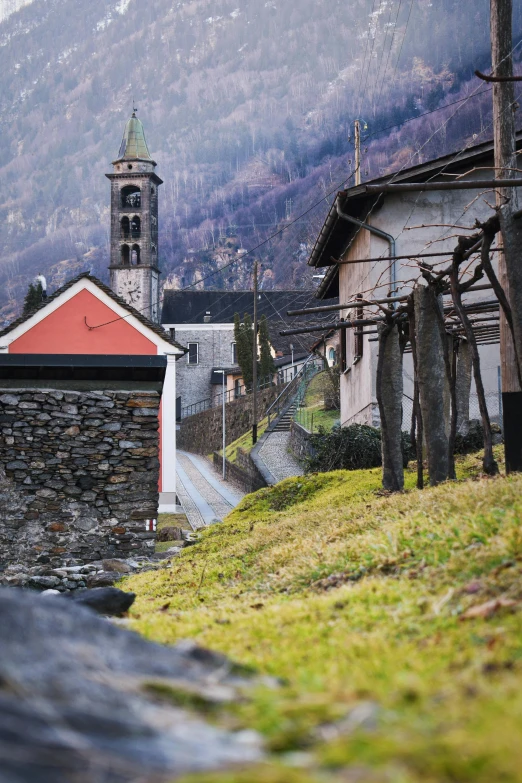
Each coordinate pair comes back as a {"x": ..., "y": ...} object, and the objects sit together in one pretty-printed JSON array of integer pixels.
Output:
[{"x": 134, "y": 223}]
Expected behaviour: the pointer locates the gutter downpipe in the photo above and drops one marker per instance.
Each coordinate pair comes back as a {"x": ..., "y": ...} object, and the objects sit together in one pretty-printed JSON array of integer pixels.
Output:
[{"x": 378, "y": 233}]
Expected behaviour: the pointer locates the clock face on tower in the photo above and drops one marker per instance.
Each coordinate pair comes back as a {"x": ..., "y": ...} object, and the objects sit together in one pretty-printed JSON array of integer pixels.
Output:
[{"x": 130, "y": 291}]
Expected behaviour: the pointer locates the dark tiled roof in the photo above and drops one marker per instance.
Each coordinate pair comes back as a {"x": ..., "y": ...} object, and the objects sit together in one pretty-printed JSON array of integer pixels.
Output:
[
  {"x": 190, "y": 307},
  {"x": 282, "y": 361},
  {"x": 335, "y": 234},
  {"x": 105, "y": 288}
]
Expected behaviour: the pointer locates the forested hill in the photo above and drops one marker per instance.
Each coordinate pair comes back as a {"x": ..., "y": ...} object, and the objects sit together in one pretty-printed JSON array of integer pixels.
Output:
[{"x": 247, "y": 107}]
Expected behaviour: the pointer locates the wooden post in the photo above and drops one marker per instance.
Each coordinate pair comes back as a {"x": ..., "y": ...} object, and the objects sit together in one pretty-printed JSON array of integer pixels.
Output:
[
  {"x": 254, "y": 363},
  {"x": 509, "y": 262}
]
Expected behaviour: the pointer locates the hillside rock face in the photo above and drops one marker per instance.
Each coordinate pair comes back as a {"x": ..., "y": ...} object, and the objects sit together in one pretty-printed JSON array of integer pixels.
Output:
[
  {"x": 8, "y": 7},
  {"x": 247, "y": 108},
  {"x": 79, "y": 700}
]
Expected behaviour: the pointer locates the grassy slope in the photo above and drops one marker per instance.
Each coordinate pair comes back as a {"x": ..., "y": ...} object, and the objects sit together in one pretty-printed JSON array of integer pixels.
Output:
[
  {"x": 314, "y": 406},
  {"x": 244, "y": 442},
  {"x": 447, "y": 692}
]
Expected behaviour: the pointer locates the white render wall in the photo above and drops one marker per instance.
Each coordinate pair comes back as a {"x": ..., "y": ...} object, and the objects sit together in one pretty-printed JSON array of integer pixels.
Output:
[{"x": 399, "y": 214}]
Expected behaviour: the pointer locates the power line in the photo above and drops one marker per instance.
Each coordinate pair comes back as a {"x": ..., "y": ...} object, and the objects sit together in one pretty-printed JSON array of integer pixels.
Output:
[
  {"x": 402, "y": 44},
  {"x": 248, "y": 253},
  {"x": 377, "y": 75},
  {"x": 371, "y": 55},
  {"x": 327, "y": 195},
  {"x": 389, "y": 51},
  {"x": 357, "y": 103}
]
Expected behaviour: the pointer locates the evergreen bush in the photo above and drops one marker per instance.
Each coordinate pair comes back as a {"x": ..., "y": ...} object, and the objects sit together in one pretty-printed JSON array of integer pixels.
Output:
[
  {"x": 350, "y": 448},
  {"x": 33, "y": 297}
]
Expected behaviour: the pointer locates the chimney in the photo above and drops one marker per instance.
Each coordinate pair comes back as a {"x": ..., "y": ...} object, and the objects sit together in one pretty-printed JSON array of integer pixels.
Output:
[{"x": 207, "y": 317}]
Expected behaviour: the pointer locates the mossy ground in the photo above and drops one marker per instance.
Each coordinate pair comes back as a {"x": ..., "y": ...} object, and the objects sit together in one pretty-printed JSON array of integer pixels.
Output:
[{"x": 350, "y": 596}]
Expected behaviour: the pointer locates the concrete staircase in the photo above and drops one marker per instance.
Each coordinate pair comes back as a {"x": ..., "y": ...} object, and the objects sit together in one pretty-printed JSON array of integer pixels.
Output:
[{"x": 284, "y": 422}]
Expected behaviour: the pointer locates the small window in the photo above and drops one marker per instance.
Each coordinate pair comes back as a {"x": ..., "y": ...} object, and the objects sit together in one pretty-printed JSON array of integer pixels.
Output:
[
  {"x": 193, "y": 353},
  {"x": 332, "y": 357},
  {"x": 172, "y": 334},
  {"x": 344, "y": 357},
  {"x": 234, "y": 353}
]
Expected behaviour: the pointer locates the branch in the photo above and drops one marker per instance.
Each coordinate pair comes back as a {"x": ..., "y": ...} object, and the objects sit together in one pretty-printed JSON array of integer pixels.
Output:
[
  {"x": 489, "y": 464},
  {"x": 486, "y": 78},
  {"x": 490, "y": 229}
]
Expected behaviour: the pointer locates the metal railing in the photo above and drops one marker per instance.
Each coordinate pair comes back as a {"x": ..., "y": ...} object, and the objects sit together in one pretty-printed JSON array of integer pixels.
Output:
[
  {"x": 295, "y": 390},
  {"x": 230, "y": 396}
]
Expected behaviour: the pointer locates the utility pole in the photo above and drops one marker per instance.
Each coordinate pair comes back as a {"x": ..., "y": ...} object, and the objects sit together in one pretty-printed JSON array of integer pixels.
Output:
[
  {"x": 509, "y": 262},
  {"x": 224, "y": 428},
  {"x": 357, "y": 140},
  {"x": 254, "y": 363},
  {"x": 357, "y": 135}
]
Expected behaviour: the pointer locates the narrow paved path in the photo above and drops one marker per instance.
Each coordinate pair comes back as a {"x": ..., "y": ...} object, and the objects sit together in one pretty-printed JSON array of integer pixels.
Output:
[
  {"x": 205, "y": 497},
  {"x": 278, "y": 459}
]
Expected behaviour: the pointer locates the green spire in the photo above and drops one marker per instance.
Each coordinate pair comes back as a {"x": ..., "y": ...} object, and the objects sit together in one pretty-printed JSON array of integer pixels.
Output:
[{"x": 133, "y": 144}]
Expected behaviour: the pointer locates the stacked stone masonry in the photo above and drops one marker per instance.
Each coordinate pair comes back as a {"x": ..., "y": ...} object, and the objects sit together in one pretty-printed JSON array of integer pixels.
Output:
[{"x": 79, "y": 475}]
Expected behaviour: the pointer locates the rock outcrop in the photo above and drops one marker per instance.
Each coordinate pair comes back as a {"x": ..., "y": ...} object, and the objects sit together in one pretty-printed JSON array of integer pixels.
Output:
[{"x": 85, "y": 701}]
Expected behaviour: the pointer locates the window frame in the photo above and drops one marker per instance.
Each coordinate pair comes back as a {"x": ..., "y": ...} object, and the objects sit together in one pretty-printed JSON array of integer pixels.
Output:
[
  {"x": 358, "y": 346},
  {"x": 233, "y": 346},
  {"x": 344, "y": 350},
  {"x": 193, "y": 364}
]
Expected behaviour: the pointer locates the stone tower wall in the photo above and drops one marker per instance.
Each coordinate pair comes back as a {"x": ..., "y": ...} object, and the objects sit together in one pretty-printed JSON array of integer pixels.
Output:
[{"x": 138, "y": 285}]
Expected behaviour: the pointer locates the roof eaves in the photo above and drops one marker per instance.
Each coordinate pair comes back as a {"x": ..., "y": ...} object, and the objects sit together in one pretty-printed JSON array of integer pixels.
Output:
[
  {"x": 417, "y": 172},
  {"x": 118, "y": 299},
  {"x": 329, "y": 280}
]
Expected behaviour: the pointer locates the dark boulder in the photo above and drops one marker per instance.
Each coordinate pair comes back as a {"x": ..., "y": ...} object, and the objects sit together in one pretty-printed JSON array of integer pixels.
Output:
[
  {"x": 169, "y": 534},
  {"x": 103, "y": 579},
  {"x": 105, "y": 600}
]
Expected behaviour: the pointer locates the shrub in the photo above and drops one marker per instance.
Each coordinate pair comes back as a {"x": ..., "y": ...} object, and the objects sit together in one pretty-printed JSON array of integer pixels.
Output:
[
  {"x": 359, "y": 446},
  {"x": 350, "y": 448},
  {"x": 474, "y": 440}
]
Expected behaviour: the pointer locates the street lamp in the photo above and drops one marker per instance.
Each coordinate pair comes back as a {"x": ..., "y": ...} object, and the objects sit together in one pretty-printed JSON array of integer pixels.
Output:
[{"x": 223, "y": 373}]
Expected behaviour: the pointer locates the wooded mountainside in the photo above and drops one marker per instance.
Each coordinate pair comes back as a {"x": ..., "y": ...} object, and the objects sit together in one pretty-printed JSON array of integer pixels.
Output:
[{"x": 248, "y": 108}]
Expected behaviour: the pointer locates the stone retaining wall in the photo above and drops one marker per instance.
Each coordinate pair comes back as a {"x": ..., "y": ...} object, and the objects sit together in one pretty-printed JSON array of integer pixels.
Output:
[
  {"x": 79, "y": 474},
  {"x": 243, "y": 471},
  {"x": 203, "y": 432},
  {"x": 300, "y": 442}
]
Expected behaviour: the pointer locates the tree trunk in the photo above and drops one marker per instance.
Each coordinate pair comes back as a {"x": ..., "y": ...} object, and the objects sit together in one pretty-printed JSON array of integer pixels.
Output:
[
  {"x": 489, "y": 464},
  {"x": 490, "y": 229},
  {"x": 389, "y": 397},
  {"x": 463, "y": 387},
  {"x": 431, "y": 371},
  {"x": 510, "y": 262}
]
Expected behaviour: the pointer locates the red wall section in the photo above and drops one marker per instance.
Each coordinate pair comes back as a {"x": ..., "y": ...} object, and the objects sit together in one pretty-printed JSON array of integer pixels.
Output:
[{"x": 65, "y": 331}]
